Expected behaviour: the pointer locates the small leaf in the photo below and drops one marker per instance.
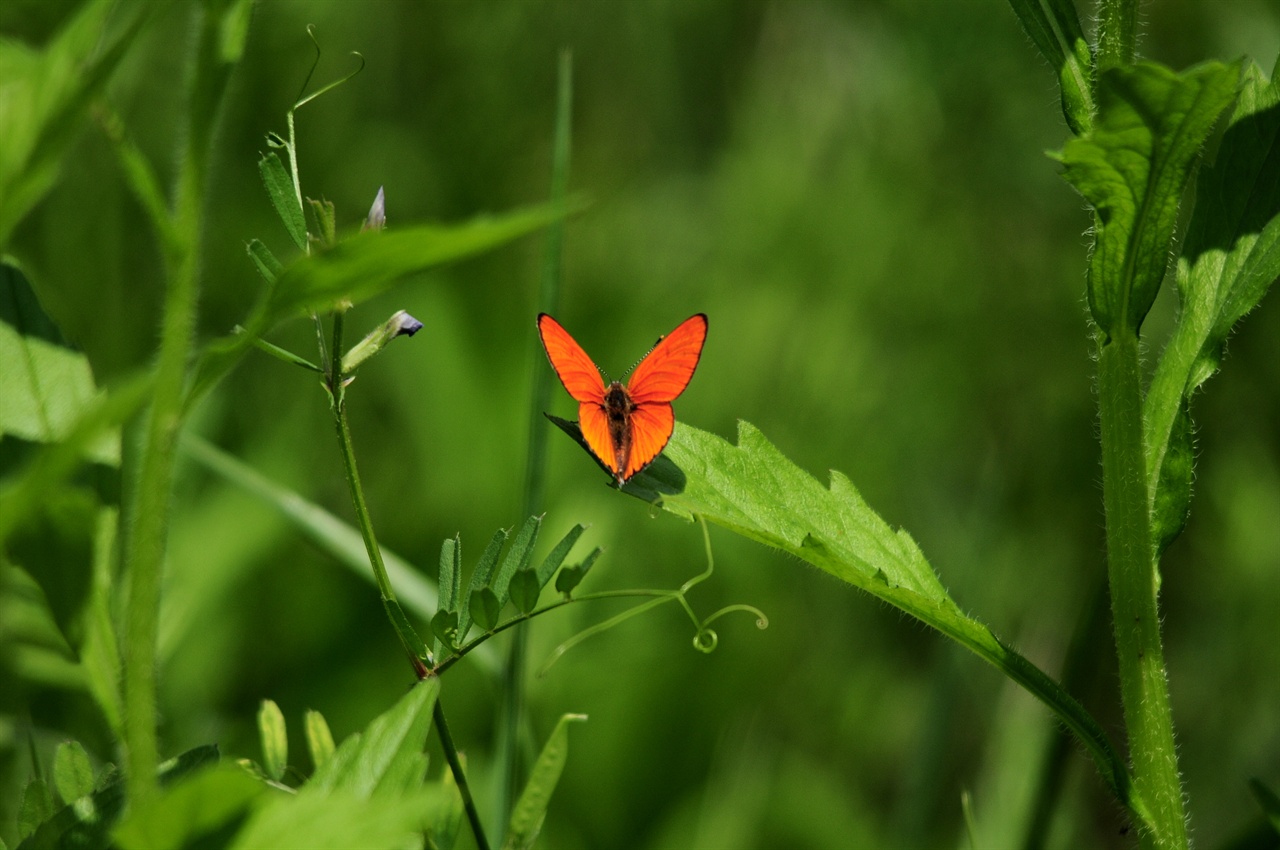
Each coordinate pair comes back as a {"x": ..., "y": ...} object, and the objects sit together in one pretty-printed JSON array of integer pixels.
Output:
[
  {"x": 36, "y": 807},
  {"x": 319, "y": 738},
  {"x": 364, "y": 760},
  {"x": 326, "y": 216},
  {"x": 479, "y": 579},
  {"x": 1172, "y": 503},
  {"x": 485, "y": 608},
  {"x": 531, "y": 808},
  {"x": 342, "y": 819},
  {"x": 99, "y": 652},
  {"x": 1132, "y": 167},
  {"x": 72, "y": 773},
  {"x": 557, "y": 555},
  {"x": 518, "y": 557},
  {"x": 525, "y": 590},
  {"x": 264, "y": 261},
  {"x": 275, "y": 740},
  {"x": 1055, "y": 28},
  {"x": 450, "y": 582},
  {"x": 444, "y": 625},
  {"x": 284, "y": 197},
  {"x": 570, "y": 577}
]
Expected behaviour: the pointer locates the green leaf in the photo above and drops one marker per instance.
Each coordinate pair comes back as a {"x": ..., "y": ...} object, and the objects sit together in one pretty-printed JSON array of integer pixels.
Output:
[
  {"x": 72, "y": 773},
  {"x": 517, "y": 558},
  {"x": 479, "y": 579},
  {"x": 88, "y": 821},
  {"x": 1132, "y": 167},
  {"x": 444, "y": 625},
  {"x": 753, "y": 490},
  {"x": 46, "y": 385},
  {"x": 342, "y": 820},
  {"x": 450, "y": 583},
  {"x": 557, "y": 555},
  {"x": 319, "y": 738},
  {"x": 35, "y": 647},
  {"x": 1230, "y": 257},
  {"x": 525, "y": 590},
  {"x": 189, "y": 809},
  {"x": 45, "y": 97},
  {"x": 327, "y": 217},
  {"x": 368, "y": 760},
  {"x": 100, "y": 653},
  {"x": 284, "y": 197},
  {"x": 571, "y": 577},
  {"x": 1055, "y": 29},
  {"x": 36, "y": 807},
  {"x": 275, "y": 739},
  {"x": 485, "y": 608},
  {"x": 370, "y": 263},
  {"x": 264, "y": 261},
  {"x": 531, "y": 808}
]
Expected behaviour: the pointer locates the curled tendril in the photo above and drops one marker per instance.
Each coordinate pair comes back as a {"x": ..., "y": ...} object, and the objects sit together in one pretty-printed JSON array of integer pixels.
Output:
[{"x": 311, "y": 33}]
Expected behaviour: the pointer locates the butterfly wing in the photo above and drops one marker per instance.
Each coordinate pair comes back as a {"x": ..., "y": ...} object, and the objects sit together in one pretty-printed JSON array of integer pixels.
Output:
[
  {"x": 575, "y": 369},
  {"x": 582, "y": 379},
  {"x": 664, "y": 373},
  {"x": 651, "y": 427}
]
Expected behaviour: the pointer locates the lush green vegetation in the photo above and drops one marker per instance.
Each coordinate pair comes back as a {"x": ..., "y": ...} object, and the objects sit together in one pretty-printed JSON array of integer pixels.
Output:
[{"x": 233, "y": 535}]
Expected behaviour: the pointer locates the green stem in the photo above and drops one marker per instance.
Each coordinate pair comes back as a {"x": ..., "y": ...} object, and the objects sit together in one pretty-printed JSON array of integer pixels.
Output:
[
  {"x": 151, "y": 496},
  {"x": 459, "y": 777},
  {"x": 1132, "y": 574},
  {"x": 1117, "y": 33}
]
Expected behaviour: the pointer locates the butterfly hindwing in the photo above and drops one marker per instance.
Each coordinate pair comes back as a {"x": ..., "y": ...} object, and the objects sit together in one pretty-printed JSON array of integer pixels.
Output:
[{"x": 651, "y": 427}]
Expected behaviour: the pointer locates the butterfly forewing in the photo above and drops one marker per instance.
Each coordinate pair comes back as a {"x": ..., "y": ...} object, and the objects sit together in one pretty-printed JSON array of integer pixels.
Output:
[
  {"x": 667, "y": 370},
  {"x": 575, "y": 369}
]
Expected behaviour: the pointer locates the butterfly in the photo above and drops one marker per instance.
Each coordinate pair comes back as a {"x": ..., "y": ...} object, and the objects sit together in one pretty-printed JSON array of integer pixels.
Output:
[{"x": 626, "y": 427}]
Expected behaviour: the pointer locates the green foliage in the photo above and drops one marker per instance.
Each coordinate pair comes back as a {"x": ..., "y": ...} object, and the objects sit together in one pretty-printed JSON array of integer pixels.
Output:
[
  {"x": 72, "y": 773},
  {"x": 1055, "y": 28},
  {"x": 1132, "y": 167},
  {"x": 531, "y": 808},
  {"x": 275, "y": 741}
]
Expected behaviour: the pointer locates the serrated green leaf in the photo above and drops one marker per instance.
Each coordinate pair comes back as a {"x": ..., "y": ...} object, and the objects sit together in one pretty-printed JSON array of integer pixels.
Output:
[
  {"x": 525, "y": 590},
  {"x": 275, "y": 739},
  {"x": 517, "y": 558},
  {"x": 570, "y": 577},
  {"x": 1230, "y": 258},
  {"x": 531, "y": 808},
  {"x": 1132, "y": 167},
  {"x": 368, "y": 759},
  {"x": 189, "y": 809},
  {"x": 479, "y": 579},
  {"x": 72, "y": 772},
  {"x": 319, "y": 738},
  {"x": 46, "y": 96},
  {"x": 46, "y": 385},
  {"x": 753, "y": 490},
  {"x": 284, "y": 197},
  {"x": 485, "y": 608},
  {"x": 1055, "y": 29},
  {"x": 36, "y": 807},
  {"x": 370, "y": 263},
  {"x": 556, "y": 556}
]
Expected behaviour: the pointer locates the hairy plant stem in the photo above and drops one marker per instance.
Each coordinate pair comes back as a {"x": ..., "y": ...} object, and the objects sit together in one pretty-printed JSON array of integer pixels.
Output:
[
  {"x": 1132, "y": 574},
  {"x": 1117, "y": 33},
  {"x": 151, "y": 497}
]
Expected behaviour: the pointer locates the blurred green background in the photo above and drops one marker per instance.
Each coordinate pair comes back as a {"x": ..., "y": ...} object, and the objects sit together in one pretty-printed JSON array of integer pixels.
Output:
[{"x": 857, "y": 195}]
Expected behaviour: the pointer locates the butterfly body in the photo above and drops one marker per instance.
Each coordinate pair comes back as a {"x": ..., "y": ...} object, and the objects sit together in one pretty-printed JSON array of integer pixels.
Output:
[{"x": 626, "y": 426}]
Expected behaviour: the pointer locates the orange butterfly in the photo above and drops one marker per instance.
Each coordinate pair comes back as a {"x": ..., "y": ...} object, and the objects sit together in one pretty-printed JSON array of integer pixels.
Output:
[{"x": 626, "y": 427}]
